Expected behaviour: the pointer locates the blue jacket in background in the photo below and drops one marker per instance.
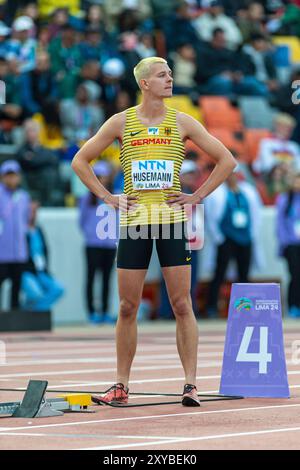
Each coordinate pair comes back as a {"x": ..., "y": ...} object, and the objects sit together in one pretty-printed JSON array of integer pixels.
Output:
[
  {"x": 89, "y": 221},
  {"x": 287, "y": 222},
  {"x": 14, "y": 220}
]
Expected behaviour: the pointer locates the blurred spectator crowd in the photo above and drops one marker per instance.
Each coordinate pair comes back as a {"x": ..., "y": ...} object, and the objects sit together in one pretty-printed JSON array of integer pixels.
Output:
[{"x": 67, "y": 66}]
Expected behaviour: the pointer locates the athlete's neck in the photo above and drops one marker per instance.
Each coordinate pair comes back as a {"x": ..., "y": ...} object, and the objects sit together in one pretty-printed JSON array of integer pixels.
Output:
[{"x": 151, "y": 110}]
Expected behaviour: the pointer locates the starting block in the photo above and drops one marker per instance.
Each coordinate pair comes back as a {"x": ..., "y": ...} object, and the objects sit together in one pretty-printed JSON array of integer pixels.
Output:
[{"x": 35, "y": 405}]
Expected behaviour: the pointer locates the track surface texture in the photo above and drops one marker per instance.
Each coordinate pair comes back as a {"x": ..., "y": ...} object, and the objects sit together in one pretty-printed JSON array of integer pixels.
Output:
[{"x": 83, "y": 358}]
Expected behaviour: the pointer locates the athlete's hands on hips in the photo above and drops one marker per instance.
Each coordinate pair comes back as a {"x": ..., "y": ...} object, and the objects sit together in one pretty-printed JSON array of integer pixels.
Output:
[
  {"x": 123, "y": 202},
  {"x": 182, "y": 198}
]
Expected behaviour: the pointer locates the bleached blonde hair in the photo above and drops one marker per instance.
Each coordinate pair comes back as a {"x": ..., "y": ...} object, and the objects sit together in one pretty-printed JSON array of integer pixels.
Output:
[{"x": 143, "y": 68}]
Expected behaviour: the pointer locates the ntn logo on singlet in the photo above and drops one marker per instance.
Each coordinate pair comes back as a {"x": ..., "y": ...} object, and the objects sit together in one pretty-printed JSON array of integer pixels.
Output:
[
  {"x": 152, "y": 174},
  {"x": 152, "y": 164},
  {"x": 151, "y": 141}
]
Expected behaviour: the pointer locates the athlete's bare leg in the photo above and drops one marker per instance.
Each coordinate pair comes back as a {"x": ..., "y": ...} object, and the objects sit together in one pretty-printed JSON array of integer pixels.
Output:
[
  {"x": 131, "y": 282},
  {"x": 178, "y": 283}
]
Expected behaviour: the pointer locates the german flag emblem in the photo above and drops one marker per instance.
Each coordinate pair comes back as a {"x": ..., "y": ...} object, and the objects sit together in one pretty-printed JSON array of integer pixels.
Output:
[{"x": 168, "y": 130}]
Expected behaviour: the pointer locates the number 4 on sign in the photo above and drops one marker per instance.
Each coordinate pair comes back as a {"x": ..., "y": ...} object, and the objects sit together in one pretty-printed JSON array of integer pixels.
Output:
[{"x": 262, "y": 357}]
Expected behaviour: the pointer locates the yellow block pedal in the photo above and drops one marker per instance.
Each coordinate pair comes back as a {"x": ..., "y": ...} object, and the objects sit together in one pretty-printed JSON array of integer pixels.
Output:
[{"x": 79, "y": 399}]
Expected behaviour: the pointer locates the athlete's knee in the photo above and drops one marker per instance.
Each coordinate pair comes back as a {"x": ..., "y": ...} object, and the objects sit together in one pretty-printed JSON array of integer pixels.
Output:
[
  {"x": 128, "y": 308},
  {"x": 181, "y": 306}
]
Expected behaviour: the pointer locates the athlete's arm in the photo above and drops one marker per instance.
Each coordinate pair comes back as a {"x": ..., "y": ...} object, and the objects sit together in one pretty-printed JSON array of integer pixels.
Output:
[
  {"x": 112, "y": 129},
  {"x": 225, "y": 162}
]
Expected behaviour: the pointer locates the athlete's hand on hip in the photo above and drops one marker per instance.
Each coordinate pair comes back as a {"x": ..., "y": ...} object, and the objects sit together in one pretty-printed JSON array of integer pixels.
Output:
[
  {"x": 123, "y": 202},
  {"x": 180, "y": 199}
]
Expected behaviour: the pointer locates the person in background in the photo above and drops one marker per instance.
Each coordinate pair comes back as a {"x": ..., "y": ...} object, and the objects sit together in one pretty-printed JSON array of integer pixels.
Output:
[
  {"x": 96, "y": 45},
  {"x": 181, "y": 21},
  {"x": 59, "y": 18},
  {"x": 4, "y": 43},
  {"x": 251, "y": 20},
  {"x": 278, "y": 149},
  {"x": 81, "y": 115},
  {"x": 100, "y": 253},
  {"x": 214, "y": 18},
  {"x": 66, "y": 61},
  {"x": 95, "y": 17},
  {"x": 113, "y": 81},
  {"x": 92, "y": 46},
  {"x": 233, "y": 214},
  {"x": 288, "y": 235},
  {"x": 38, "y": 86},
  {"x": 133, "y": 47},
  {"x": 189, "y": 175},
  {"x": 40, "y": 166},
  {"x": 40, "y": 290},
  {"x": 11, "y": 111},
  {"x": 184, "y": 68},
  {"x": 14, "y": 219},
  {"x": 262, "y": 61},
  {"x": 10, "y": 9},
  {"x": 31, "y": 10},
  {"x": 90, "y": 71},
  {"x": 278, "y": 157},
  {"x": 22, "y": 47},
  {"x": 229, "y": 73}
]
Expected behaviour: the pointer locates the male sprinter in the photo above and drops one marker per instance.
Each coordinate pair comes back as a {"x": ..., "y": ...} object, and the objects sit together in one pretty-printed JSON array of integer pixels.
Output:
[{"x": 152, "y": 138}]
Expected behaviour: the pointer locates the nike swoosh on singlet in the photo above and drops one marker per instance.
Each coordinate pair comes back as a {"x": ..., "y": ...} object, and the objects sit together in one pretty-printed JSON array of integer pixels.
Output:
[{"x": 135, "y": 133}]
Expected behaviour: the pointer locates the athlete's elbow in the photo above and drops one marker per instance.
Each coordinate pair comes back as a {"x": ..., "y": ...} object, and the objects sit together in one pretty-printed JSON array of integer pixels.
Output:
[
  {"x": 76, "y": 164},
  {"x": 231, "y": 162}
]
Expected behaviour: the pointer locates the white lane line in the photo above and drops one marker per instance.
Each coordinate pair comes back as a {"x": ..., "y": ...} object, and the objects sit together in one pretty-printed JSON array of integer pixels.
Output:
[
  {"x": 210, "y": 349},
  {"x": 194, "y": 439},
  {"x": 139, "y": 418},
  {"x": 93, "y": 384},
  {"x": 84, "y": 360},
  {"x": 93, "y": 371},
  {"x": 89, "y": 436},
  {"x": 173, "y": 379},
  {"x": 55, "y": 342},
  {"x": 90, "y": 384},
  {"x": 135, "y": 368},
  {"x": 98, "y": 343},
  {"x": 35, "y": 434},
  {"x": 96, "y": 350}
]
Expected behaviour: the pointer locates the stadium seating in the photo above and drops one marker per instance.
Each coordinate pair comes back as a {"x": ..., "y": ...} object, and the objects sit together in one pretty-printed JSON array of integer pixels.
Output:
[
  {"x": 218, "y": 112},
  {"x": 293, "y": 45},
  {"x": 256, "y": 112},
  {"x": 46, "y": 7},
  {"x": 231, "y": 140},
  {"x": 184, "y": 104},
  {"x": 252, "y": 138}
]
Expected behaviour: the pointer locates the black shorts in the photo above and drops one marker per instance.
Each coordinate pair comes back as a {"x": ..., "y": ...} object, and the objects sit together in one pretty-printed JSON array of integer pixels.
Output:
[{"x": 136, "y": 244}]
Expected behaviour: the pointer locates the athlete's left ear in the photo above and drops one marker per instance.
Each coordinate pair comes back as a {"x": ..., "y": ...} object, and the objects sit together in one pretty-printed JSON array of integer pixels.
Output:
[{"x": 144, "y": 84}]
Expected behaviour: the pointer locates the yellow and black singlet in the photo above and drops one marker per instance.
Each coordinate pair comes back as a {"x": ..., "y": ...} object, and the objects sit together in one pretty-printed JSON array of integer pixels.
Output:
[{"x": 151, "y": 159}]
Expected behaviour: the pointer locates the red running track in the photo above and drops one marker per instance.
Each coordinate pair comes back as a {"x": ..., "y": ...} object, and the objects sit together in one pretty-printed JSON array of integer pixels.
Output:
[{"x": 84, "y": 359}]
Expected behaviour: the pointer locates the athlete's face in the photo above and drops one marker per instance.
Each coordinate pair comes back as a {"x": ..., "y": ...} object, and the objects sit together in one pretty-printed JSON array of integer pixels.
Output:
[{"x": 160, "y": 80}]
